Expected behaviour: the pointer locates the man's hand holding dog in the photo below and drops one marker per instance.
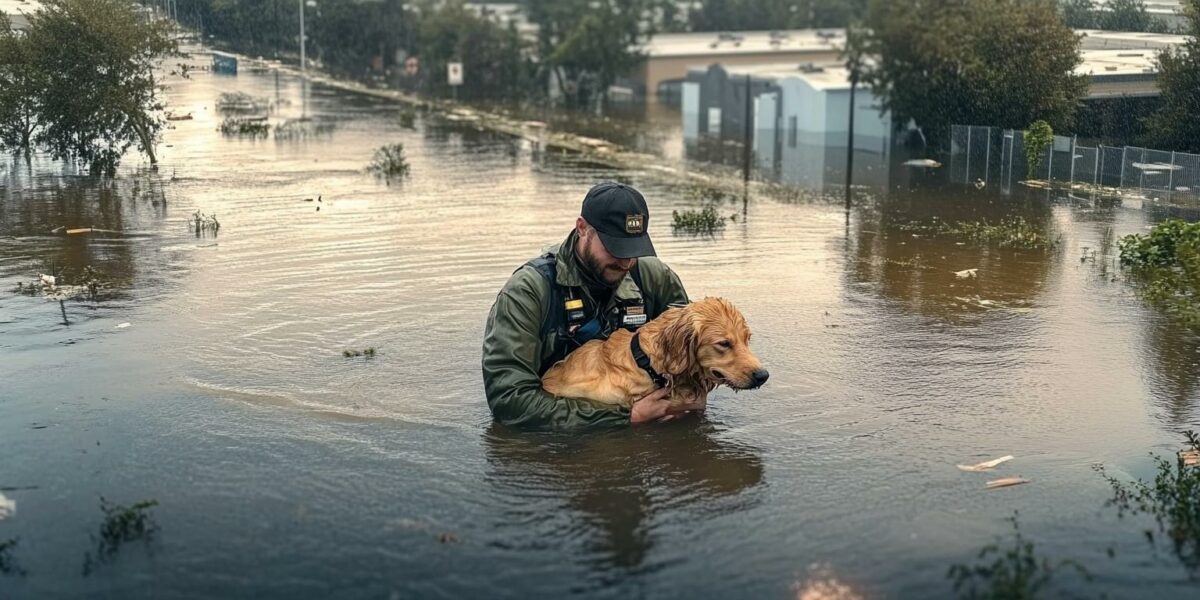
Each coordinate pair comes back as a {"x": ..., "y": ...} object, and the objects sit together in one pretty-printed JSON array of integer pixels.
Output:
[{"x": 656, "y": 406}]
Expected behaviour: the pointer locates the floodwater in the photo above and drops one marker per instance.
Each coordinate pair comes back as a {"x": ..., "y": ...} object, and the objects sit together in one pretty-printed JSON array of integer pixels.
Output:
[{"x": 283, "y": 469}]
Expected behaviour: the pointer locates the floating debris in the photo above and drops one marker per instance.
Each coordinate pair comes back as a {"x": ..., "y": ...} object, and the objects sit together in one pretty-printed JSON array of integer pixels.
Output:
[
  {"x": 369, "y": 353},
  {"x": 8, "y": 507},
  {"x": 985, "y": 466},
  {"x": 927, "y": 163},
  {"x": 202, "y": 223},
  {"x": 964, "y": 274},
  {"x": 1006, "y": 482},
  {"x": 124, "y": 325},
  {"x": 1190, "y": 458}
]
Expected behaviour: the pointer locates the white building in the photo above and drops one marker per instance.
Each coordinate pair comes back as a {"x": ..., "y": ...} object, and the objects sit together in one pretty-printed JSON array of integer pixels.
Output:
[{"x": 800, "y": 121}]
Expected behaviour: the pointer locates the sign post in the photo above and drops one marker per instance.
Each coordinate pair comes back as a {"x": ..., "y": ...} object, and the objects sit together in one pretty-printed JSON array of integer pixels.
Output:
[{"x": 454, "y": 76}]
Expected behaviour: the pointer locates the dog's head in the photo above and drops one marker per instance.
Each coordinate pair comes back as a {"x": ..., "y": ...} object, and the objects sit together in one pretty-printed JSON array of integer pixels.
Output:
[{"x": 710, "y": 340}]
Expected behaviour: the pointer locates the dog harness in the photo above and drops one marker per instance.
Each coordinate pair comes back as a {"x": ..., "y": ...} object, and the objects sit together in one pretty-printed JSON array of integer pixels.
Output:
[{"x": 643, "y": 361}]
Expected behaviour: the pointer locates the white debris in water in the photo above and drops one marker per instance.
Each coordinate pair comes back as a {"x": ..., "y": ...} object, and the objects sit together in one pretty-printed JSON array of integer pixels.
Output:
[
  {"x": 124, "y": 325},
  {"x": 972, "y": 273},
  {"x": 1006, "y": 482},
  {"x": 7, "y": 507},
  {"x": 48, "y": 281},
  {"x": 985, "y": 466},
  {"x": 928, "y": 163}
]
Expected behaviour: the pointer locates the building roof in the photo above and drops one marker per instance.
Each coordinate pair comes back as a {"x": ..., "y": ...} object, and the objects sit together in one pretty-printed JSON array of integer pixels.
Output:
[
  {"x": 715, "y": 44},
  {"x": 16, "y": 9},
  {"x": 1154, "y": 7},
  {"x": 1095, "y": 39},
  {"x": 1123, "y": 63}
]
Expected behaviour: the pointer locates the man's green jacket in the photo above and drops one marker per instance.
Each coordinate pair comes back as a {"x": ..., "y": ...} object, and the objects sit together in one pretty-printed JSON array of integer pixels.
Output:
[{"x": 515, "y": 352}]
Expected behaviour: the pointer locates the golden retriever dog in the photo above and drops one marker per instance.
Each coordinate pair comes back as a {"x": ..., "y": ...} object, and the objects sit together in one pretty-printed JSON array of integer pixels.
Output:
[{"x": 695, "y": 347}]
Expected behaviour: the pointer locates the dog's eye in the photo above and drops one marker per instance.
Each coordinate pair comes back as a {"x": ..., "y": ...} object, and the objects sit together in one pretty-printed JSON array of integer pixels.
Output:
[{"x": 724, "y": 344}]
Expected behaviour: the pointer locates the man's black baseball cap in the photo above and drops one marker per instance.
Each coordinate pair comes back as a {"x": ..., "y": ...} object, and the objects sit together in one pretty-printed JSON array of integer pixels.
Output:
[{"x": 619, "y": 214}]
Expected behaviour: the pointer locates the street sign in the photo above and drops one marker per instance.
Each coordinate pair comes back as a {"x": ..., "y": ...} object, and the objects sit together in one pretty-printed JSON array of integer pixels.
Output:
[{"x": 454, "y": 73}]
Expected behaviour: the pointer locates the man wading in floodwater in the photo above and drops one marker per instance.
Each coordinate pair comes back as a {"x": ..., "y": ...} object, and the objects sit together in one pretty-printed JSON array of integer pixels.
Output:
[{"x": 604, "y": 276}]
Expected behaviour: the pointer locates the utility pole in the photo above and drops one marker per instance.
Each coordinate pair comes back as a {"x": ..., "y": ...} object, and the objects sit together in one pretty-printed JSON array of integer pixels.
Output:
[
  {"x": 748, "y": 137},
  {"x": 853, "y": 58},
  {"x": 303, "y": 63},
  {"x": 303, "y": 68}
]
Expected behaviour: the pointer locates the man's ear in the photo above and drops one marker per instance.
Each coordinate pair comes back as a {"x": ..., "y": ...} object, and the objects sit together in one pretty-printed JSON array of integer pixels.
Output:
[
  {"x": 581, "y": 226},
  {"x": 677, "y": 343}
]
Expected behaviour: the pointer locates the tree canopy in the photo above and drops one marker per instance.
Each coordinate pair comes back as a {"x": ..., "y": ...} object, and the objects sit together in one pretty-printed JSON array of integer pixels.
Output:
[
  {"x": 1174, "y": 125},
  {"x": 1004, "y": 63},
  {"x": 86, "y": 73}
]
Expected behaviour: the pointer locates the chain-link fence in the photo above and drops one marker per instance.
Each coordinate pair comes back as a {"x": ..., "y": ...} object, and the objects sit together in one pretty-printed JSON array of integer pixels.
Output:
[{"x": 989, "y": 155}]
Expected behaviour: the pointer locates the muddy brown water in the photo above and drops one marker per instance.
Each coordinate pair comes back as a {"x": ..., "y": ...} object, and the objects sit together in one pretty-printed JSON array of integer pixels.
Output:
[{"x": 283, "y": 469}]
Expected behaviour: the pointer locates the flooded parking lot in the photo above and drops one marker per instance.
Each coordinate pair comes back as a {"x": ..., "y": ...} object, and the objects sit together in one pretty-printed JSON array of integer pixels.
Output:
[{"x": 283, "y": 469}]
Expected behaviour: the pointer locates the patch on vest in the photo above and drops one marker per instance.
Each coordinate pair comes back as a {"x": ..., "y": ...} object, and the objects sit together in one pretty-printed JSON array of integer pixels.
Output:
[{"x": 635, "y": 224}]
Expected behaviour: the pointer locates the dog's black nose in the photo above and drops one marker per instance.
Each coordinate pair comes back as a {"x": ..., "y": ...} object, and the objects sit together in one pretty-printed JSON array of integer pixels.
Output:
[{"x": 760, "y": 377}]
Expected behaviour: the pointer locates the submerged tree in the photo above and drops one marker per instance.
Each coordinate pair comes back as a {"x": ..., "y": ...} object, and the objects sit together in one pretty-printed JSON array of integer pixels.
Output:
[
  {"x": 1175, "y": 125},
  {"x": 19, "y": 83},
  {"x": 494, "y": 60},
  {"x": 97, "y": 92},
  {"x": 1003, "y": 63}
]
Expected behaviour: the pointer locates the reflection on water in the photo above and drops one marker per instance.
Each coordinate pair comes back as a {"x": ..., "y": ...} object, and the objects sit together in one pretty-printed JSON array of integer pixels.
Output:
[
  {"x": 227, "y": 397},
  {"x": 619, "y": 483},
  {"x": 916, "y": 269}
]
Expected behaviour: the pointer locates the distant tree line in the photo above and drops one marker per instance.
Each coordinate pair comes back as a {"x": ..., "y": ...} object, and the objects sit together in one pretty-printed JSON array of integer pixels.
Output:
[{"x": 1114, "y": 15}]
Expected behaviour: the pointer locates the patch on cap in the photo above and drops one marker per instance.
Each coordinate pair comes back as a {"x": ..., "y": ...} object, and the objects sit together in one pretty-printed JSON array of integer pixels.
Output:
[{"x": 635, "y": 224}]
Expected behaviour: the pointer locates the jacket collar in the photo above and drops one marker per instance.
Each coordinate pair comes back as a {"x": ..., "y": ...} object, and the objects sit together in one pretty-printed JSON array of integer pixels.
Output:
[{"x": 568, "y": 273}]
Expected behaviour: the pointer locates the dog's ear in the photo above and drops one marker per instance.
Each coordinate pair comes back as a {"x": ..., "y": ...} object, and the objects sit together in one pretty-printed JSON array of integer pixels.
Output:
[{"x": 677, "y": 343}]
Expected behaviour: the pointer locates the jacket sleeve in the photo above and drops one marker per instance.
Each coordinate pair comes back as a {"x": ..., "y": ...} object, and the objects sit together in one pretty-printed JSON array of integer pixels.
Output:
[{"x": 512, "y": 350}]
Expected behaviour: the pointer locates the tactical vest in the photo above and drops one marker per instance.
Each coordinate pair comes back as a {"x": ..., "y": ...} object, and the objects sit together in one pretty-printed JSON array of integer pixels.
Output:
[{"x": 556, "y": 317}]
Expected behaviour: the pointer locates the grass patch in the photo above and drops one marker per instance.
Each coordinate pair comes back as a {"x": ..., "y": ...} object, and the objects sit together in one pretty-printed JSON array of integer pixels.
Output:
[
  {"x": 1166, "y": 262},
  {"x": 408, "y": 119},
  {"x": 250, "y": 127},
  {"x": 369, "y": 353},
  {"x": 122, "y": 525},
  {"x": 1011, "y": 232},
  {"x": 8, "y": 564},
  {"x": 1004, "y": 571},
  {"x": 1172, "y": 498},
  {"x": 389, "y": 163},
  {"x": 204, "y": 224},
  {"x": 704, "y": 221}
]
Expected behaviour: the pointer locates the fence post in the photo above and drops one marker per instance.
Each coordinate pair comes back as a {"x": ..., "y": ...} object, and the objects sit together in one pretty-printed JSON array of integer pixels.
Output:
[
  {"x": 1124, "y": 150},
  {"x": 987, "y": 158},
  {"x": 1171, "y": 175},
  {"x": 1050, "y": 163},
  {"x": 1142, "y": 176},
  {"x": 967, "y": 176},
  {"x": 1073, "y": 140},
  {"x": 1096, "y": 165}
]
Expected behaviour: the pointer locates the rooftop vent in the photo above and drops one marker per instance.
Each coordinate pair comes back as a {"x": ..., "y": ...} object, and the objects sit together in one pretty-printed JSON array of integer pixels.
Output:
[{"x": 811, "y": 68}]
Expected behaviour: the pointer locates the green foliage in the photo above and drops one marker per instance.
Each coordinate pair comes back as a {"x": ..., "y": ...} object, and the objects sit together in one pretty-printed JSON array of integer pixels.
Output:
[
  {"x": 760, "y": 15},
  {"x": 705, "y": 221},
  {"x": 1003, "y": 63},
  {"x": 261, "y": 27},
  {"x": 1080, "y": 14},
  {"x": 1167, "y": 245},
  {"x": 1038, "y": 137},
  {"x": 1013, "y": 232},
  {"x": 1172, "y": 498},
  {"x": 1167, "y": 263},
  {"x": 19, "y": 84},
  {"x": 1127, "y": 15},
  {"x": 87, "y": 81},
  {"x": 389, "y": 163},
  {"x": 585, "y": 45},
  {"x": 121, "y": 525},
  {"x": 355, "y": 37},
  {"x": 244, "y": 126},
  {"x": 493, "y": 57},
  {"x": 1013, "y": 572},
  {"x": 1175, "y": 125}
]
